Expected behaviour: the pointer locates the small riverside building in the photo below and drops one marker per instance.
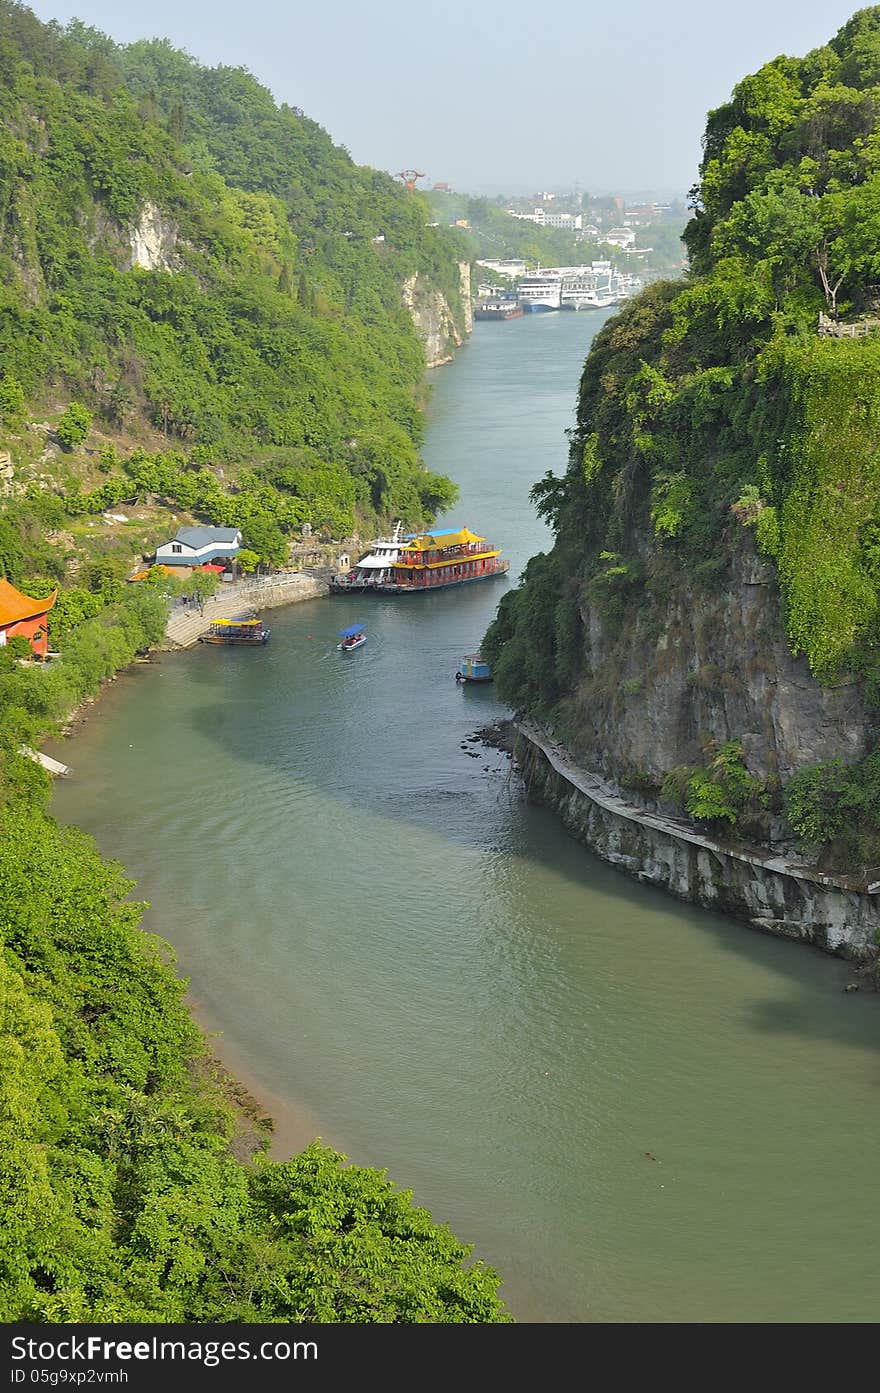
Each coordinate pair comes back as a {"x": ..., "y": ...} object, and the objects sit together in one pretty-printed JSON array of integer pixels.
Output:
[
  {"x": 199, "y": 546},
  {"x": 25, "y": 617}
]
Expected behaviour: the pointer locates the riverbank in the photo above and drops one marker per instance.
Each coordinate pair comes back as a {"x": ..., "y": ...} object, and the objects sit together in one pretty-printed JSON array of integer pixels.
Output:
[
  {"x": 264, "y": 1121},
  {"x": 774, "y": 893},
  {"x": 242, "y": 600}
]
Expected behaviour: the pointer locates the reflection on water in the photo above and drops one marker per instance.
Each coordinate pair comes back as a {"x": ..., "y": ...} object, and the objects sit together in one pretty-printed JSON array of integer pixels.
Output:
[{"x": 636, "y": 1110}]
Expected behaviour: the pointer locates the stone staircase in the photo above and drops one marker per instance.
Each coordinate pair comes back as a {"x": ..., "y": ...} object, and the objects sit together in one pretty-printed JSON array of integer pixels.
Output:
[
  {"x": 243, "y": 600},
  {"x": 186, "y": 623}
]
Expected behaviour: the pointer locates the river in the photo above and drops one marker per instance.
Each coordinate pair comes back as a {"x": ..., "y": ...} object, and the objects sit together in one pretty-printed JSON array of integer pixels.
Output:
[{"x": 637, "y": 1111}]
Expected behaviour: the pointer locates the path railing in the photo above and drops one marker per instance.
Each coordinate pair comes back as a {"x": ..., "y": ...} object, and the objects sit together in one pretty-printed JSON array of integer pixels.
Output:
[{"x": 858, "y": 329}]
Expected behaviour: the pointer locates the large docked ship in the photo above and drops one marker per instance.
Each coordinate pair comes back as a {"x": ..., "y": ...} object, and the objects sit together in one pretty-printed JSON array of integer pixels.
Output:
[
  {"x": 594, "y": 287},
  {"x": 424, "y": 561},
  {"x": 540, "y": 293}
]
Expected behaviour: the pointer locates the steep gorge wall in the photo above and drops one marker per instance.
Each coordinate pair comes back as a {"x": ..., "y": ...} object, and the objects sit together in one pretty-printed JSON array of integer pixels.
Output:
[
  {"x": 719, "y": 512},
  {"x": 442, "y": 327},
  {"x": 709, "y": 665}
]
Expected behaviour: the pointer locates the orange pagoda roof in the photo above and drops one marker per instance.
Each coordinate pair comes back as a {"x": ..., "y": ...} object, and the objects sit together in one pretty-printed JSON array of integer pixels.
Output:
[{"x": 14, "y": 606}]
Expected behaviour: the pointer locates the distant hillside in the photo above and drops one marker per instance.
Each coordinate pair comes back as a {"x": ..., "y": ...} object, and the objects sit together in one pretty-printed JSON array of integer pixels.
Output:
[
  {"x": 492, "y": 233},
  {"x": 208, "y": 274}
]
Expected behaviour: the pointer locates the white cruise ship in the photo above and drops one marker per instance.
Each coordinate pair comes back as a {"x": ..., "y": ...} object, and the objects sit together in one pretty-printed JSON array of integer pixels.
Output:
[
  {"x": 596, "y": 286},
  {"x": 593, "y": 287},
  {"x": 376, "y": 567},
  {"x": 577, "y": 288},
  {"x": 540, "y": 292}
]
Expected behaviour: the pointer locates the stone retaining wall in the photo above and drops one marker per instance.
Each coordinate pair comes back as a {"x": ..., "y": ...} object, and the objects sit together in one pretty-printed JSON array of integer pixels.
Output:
[{"x": 773, "y": 893}]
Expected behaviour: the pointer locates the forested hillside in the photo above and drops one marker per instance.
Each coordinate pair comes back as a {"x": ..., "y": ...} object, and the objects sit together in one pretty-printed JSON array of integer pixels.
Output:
[
  {"x": 726, "y": 449},
  {"x": 208, "y": 275},
  {"x": 193, "y": 317}
]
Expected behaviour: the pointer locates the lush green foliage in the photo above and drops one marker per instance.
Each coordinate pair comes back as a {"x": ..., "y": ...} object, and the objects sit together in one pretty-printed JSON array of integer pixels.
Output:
[
  {"x": 273, "y": 333},
  {"x": 839, "y": 805},
  {"x": 724, "y": 791},
  {"x": 120, "y": 1197},
  {"x": 73, "y": 427},
  {"x": 271, "y": 320},
  {"x": 721, "y": 793}
]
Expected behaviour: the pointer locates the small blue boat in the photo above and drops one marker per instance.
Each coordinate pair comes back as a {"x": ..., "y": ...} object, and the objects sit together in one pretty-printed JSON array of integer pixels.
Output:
[
  {"x": 474, "y": 668},
  {"x": 353, "y": 637}
]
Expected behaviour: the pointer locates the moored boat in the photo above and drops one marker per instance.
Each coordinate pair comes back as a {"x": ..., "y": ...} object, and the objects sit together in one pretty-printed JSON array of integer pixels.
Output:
[
  {"x": 474, "y": 668},
  {"x": 498, "y": 309},
  {"x": 376, "y": 566},
  {"x": 250, "y": 632},
  {"x": 424, "y": 561},
  {"x": 540, "y": 293}
]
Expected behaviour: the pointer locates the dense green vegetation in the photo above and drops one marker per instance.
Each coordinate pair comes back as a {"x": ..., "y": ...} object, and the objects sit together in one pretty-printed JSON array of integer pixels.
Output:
[
  {"x": 712, "y": 416},
  {"x": 269, "y": 327},
  {"x": 263, "y": 376},
  {"x": 121, "y": 1199}
]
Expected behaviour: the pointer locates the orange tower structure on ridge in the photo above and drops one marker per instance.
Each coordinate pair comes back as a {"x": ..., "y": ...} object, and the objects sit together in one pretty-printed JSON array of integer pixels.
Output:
[{"x": 409, "y": 177}]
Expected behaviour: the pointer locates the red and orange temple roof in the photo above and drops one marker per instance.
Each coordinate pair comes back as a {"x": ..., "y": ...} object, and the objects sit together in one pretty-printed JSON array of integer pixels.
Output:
[{"x": 14, "y": 606}]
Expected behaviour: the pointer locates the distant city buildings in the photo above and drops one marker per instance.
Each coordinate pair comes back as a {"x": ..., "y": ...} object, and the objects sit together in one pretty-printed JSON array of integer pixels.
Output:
[
  {"x": 623, "y": 237},
  {"x": 643, "y": 213},
  {"x": 511, "y": 269},
  {"x": 569, "y": 222}
]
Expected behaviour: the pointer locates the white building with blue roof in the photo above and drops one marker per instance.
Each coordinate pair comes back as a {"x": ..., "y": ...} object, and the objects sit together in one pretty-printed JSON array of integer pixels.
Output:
[{"x": 200, "y": 546}]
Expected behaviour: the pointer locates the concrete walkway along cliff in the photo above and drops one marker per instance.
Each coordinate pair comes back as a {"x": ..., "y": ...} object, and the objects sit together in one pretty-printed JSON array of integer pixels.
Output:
[{"x": 773, "y": 892}]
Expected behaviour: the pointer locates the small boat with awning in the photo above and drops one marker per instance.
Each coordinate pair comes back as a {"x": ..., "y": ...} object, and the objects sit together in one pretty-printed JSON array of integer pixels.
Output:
[
  {"x": 353, "y": 637},
  {"x": 250, "y": 632}
]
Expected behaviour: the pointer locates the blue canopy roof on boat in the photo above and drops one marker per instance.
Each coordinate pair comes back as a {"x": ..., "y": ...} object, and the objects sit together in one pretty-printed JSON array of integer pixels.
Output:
[{"x": 351, "y": 631}]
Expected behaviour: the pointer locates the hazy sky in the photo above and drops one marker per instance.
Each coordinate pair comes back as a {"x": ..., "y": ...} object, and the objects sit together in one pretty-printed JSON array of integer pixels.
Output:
[{"x": 493, "y": 95}]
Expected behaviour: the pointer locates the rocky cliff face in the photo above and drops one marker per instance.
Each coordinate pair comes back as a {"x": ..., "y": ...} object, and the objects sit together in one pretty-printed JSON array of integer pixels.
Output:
[
  {"x": 772, "y": 894},
  {"x": 441, "y": 327},
  {"x": 709, "y": 665},
  {"x": 153, "y": 241}
]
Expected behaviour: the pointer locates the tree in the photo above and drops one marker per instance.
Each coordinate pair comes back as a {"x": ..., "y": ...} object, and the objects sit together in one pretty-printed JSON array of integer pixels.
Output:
[
  {"x": 359, "y": 1250},
  {"x": 120, "y": 404},
  {"x": 12, "y": 401},
  {"x": 200, "y": 586},
  {"x": 74, "y": 426},
  {"x": 247, "y": 560}
]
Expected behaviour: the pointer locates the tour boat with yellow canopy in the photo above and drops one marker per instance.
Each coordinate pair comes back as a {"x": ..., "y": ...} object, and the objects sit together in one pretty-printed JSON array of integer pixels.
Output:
[
  {"x": 246, "y": 631},
  {"x": 423, "y": 561}
]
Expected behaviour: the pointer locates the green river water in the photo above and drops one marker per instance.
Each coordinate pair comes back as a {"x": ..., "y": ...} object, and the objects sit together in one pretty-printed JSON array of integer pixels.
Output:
[{"x": 412, "y": 962}]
